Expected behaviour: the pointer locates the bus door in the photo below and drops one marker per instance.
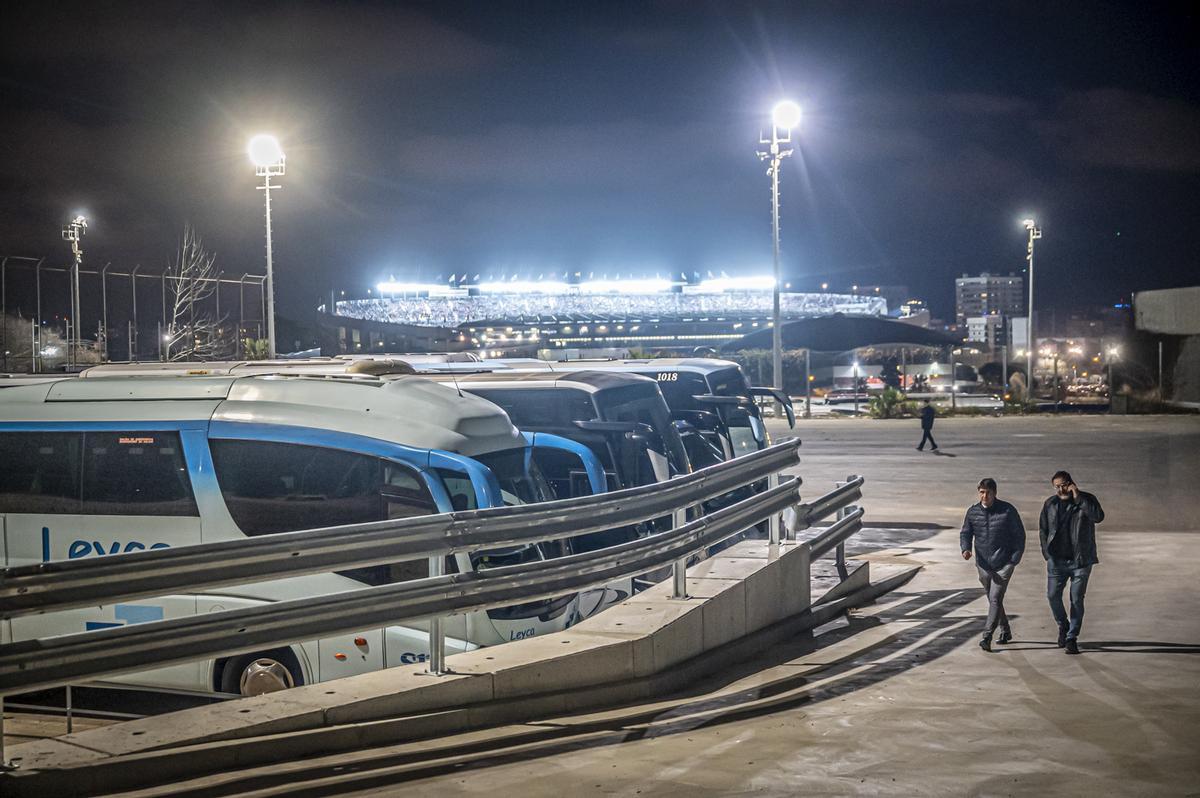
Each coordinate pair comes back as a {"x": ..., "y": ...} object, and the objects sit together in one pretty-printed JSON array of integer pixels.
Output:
[{"x": 68, "y": 494}]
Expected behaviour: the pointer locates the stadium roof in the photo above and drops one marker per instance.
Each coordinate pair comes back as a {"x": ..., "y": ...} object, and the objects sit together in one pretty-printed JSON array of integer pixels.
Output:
[{"x": 839, "y": 332}]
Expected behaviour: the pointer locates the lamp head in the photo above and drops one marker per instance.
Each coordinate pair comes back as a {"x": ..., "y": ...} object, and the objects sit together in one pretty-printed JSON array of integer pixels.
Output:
[
  {"x": 785, "y": 114},
  {"x": 265, "y": 150},
  {"x": 1029, "y": 224}
]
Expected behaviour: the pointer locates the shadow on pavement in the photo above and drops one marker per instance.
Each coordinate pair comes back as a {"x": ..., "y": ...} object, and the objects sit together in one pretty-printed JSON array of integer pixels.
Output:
[
  {"x": 931, "y": 610},
  {"x": 1140, "y": 647}
]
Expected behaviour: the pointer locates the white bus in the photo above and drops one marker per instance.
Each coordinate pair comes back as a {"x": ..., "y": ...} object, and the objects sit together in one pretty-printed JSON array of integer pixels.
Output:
[{"x": 95, "y": 467}]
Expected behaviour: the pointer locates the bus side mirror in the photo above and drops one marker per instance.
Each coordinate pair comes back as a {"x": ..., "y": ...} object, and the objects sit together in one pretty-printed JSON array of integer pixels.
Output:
[{"x": 780, "y": 397}]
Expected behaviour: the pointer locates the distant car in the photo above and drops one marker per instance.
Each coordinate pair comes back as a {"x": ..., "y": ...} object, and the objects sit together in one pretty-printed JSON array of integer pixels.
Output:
[{"x": 843, "y": 395}]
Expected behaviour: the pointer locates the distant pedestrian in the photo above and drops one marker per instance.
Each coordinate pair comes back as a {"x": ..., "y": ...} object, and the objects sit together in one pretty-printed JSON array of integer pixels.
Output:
[
  {"x": 1068, "y": 532},
  {"x": 927, "y": 416},
  {"x": 993, "y": 529}
]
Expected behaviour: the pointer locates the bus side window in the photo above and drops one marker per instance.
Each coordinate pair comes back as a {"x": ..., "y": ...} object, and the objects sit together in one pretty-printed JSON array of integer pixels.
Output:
[
  {"x": 135, "y": 473},
  {"x": 39, "y": 472},
  {"x": 281, "y": 487}
]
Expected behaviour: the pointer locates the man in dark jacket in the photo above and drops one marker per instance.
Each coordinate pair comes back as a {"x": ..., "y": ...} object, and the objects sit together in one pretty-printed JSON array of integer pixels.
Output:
[
  {"x": 994, "y": 530},
  {"x": 1068, "y": 532},
  {"x": 927, "y": 415}
]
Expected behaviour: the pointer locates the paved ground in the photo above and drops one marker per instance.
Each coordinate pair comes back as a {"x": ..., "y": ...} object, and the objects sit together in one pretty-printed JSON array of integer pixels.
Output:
[
  {"x": 901, "y": 701},
  {"x": 925, "y": 712}
]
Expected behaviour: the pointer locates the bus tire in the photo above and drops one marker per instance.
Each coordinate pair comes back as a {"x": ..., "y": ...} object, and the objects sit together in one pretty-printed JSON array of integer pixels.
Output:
[{"x": 258, "y": 673}]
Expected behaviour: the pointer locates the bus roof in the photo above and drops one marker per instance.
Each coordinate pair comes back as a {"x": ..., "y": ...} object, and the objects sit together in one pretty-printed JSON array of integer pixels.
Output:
[
  {"x": 588, "y": 381},
  {"x": 406, "y": 410},
  {"x": 702, "y": 365}
]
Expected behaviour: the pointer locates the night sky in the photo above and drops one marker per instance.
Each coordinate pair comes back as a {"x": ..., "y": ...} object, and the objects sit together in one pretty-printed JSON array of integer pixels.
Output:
[{"x": 426, "y": 139}]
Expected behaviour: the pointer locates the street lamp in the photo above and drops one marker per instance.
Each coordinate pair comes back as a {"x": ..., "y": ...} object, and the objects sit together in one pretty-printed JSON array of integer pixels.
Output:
[
  {"x": 267, "y": 157},
  {"x": 1035, "y": 233},
  {"x": 784, "y": 116},
  {"x": 1113, "y": 353},
  {"x": 72, "y": 233},
  {"x": 854, "y": 387}
]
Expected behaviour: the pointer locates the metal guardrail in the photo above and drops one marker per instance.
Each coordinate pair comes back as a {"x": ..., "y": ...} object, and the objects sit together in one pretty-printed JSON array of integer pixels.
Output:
[
  {"x": 82, "y": 583},
  {"x": 54, "y": 661},
  {"x": 66, "y": 659}
]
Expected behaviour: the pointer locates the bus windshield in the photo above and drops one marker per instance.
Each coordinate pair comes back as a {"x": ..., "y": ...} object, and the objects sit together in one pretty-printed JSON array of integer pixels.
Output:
[
  {"x": 741, "y": 424},
  {"x": 641, "y": 404},
  {"x": 521, "y": 480}
]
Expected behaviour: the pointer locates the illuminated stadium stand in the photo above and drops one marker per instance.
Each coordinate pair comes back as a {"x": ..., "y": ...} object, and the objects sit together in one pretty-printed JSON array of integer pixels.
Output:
[{"x": 523, "y": 317}]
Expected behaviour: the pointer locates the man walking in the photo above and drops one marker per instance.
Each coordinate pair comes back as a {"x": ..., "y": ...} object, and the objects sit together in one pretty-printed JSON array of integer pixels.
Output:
[
  {"x": 1068, "y": 533},
  {"x": 927, "y": 415},
  {"x": 994, "y": 530}
]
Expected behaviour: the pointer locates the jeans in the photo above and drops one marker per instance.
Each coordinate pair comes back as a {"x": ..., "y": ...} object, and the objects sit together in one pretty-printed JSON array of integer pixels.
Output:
[
  {"x": 927, "y": 436},
  {"x": 994, "y": 584},
  {"x": 1057, "y": 576}
]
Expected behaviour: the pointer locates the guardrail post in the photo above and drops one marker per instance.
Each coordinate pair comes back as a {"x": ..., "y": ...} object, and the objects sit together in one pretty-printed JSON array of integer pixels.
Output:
[
  {"x": 840, "y": 551},
  {"x": 773, "y": 523},
  {"x": 4, "y": 763},
  {"x": 679, "y": 567},
  {"x": 437, "y": 639},
  {"x": 70, "y": 719}
]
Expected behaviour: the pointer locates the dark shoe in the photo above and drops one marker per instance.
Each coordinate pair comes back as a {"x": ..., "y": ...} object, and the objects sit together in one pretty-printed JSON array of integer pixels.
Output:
[
  {"x": 986, "y": 644},
  {"x": 919, "y": 449},
  {"x": 1072, "y": 646},
  {"x": 1005, "y": 636},
  {"x": 934, "y": 449},
  {"x": 1062, "y": 636}
]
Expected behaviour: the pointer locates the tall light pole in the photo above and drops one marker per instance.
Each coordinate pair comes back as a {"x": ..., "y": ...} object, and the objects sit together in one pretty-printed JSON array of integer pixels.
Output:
[
  {"x": 1035, "y": 233},
  {"x": 784, "y": 116},
  {"x": 267, "y": 156},
  {"x": 72, "y": 233}
]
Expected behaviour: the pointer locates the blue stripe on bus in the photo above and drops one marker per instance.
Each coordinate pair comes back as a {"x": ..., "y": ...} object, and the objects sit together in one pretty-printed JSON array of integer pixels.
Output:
[{"x": 591, "y": 464}]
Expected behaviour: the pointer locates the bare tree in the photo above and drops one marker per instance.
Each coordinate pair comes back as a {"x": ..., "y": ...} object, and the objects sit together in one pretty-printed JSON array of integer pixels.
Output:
[{"x": 195, "y": 333}]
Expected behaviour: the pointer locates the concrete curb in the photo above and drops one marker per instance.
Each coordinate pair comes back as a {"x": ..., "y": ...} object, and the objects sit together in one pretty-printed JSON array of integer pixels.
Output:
[{"x": 638, "y": 666}]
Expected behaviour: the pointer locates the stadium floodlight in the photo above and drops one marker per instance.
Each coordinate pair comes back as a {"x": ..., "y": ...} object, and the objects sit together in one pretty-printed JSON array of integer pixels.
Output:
[
  {"x": 523, "y": 287},
  {"x": 760, "y": 282},
  {"x": 267, "y": 157},
  {"x": 646, "y": 286},
  {"x": 784, "y": 117},
  {"x": 1035, "y": 233},
  {"x": 433, "y": 289}
]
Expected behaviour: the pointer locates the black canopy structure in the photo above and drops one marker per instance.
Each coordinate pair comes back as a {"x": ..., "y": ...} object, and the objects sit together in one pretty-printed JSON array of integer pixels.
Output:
[{"x": 839, "y": 333}]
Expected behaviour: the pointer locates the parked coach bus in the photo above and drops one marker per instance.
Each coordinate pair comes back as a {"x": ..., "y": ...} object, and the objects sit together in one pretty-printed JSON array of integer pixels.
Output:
[
  {"x": 711, "y": 395},
  {"x": 95, "y": 467}
]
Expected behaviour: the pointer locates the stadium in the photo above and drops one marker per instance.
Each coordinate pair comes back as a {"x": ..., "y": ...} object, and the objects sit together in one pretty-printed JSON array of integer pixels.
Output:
[{"x": 524, "y": 318}]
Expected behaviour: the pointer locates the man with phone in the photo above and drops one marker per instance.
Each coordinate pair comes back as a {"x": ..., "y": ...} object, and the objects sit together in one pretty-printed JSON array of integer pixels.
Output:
[
  {"x": 993, "y": 529},
  {"x": 1068, "y": 533}
]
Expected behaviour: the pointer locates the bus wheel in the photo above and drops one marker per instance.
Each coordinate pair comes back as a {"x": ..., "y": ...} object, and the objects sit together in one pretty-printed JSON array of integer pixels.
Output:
[{"x": 255, "y": 674}]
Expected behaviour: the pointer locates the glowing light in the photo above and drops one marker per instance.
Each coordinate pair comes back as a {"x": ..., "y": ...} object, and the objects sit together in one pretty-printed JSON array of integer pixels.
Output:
[
  {"x": 647, "y": 286},
  {"x": 759, "y": 282},
  {"x": 265, "y": 150},
  {"x": 394, "y": 287},
  {"x": 785, "y": 114},
  {"x": 524, "y": 287}
]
